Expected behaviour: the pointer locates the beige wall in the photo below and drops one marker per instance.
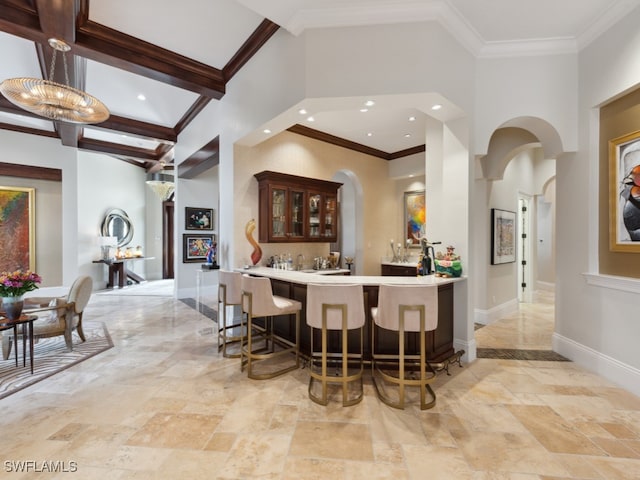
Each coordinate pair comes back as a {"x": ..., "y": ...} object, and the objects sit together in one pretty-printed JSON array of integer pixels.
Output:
[{"x": 297, "y": 155}]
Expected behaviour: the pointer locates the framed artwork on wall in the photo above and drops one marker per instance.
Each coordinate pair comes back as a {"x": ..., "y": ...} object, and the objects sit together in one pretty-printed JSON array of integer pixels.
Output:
[
  {"x": 503, "y": 236},
  {"x": 624, "y": 193},
  {"x": 198, "y": 218},
  {"x": 17, "y": 232},
  {"x": 414, "y": 216},
  {"x": 196, "y": 247}
]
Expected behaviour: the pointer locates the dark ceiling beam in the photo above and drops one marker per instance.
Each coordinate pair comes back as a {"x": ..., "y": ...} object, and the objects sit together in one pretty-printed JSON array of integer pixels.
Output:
[
  {"x": 192, "y": 113},
  {"x": 137, "y": 127},
  {"x": 58, "y": 20},
  {"x": 249, "y": 48},
  {"x": 28, "y": 171},
  {"x": 18, "y": 19},
  {"x": 108, "y": 46},
  {"x": 29, "y": 130},
  {"x": 101, "y": 146},
  {"x": 201, "y": 161}
]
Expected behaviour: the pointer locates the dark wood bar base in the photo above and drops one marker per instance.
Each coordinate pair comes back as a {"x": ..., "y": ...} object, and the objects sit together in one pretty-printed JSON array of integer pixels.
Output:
[{"x": 439, "y": 342}]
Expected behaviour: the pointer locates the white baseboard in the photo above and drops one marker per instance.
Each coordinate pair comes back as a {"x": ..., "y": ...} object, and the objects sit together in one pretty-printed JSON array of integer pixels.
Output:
[
  {"x": 470, "y": 349},
  {"x": 487, "y": 317},
  {"x": 621, "y": 374}
]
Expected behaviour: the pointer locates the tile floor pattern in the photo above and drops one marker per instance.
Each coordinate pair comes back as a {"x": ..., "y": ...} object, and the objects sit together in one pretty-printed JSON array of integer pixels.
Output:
[{"x": 162, "y": 404}]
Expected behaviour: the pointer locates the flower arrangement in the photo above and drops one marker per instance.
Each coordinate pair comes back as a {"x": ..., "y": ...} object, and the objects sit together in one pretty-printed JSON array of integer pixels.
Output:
[{"x": 16, "y": 284}]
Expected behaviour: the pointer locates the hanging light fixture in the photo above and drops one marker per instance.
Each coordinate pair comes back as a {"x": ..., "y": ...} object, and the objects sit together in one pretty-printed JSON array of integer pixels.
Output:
[
  {"x": 54, "y": 100},
  {"x": 161, "y": 183}
]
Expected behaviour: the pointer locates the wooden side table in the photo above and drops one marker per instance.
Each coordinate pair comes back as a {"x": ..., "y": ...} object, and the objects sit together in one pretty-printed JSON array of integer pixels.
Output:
[{"x": 26, "y": 321}]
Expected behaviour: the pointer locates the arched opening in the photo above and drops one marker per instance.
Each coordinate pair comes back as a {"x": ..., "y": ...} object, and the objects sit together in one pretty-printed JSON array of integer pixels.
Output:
[
  {"x": 517, "y": 172},
  {"x": 350, "y": 243}
]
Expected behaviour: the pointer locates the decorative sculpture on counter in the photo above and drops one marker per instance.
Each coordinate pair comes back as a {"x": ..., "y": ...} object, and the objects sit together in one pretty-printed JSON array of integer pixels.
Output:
[
  {"x": 448, "y": 265},
  {"x": 256, "y": 255}
]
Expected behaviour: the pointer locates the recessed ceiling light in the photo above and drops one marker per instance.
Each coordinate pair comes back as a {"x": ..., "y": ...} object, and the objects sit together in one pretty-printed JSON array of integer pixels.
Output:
[
  {"x": 411, "y": 175},
  {"x": 437, "y": 106},
  {"x": 369, "y": 134},
  {"x": 141, "y": 97},
  {"x": 364, "y": 110},
  {"x": 369, "y": 103},
  {"x": 407, "y": 135},
  {"x": 412, "y": 119},
  {"x": 266, "y": 130},
  {"x": 311, "y": 119},
  {"x": 302, "y": 111}
]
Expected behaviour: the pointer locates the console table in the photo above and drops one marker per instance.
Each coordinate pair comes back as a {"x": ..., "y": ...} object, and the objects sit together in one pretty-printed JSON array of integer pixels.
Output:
[{"x": 118, "y": 269}]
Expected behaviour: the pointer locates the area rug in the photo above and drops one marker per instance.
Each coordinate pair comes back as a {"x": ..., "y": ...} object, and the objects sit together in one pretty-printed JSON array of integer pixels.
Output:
[{"x": 50, "y": 356}]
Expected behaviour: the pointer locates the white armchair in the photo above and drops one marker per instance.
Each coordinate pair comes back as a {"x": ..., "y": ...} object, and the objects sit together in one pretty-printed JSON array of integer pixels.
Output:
[{"x": 57, "y": 316}]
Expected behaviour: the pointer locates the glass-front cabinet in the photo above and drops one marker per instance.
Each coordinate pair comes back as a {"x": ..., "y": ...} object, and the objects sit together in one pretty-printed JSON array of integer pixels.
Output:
[
  {"x": 287, "y": 213},
  {"x": 323, "y": 212},
  {"x": 297, "y": 209}
]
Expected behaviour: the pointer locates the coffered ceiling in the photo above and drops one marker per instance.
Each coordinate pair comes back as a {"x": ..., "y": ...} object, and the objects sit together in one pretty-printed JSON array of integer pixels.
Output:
[{"x": 157, "y": 63}]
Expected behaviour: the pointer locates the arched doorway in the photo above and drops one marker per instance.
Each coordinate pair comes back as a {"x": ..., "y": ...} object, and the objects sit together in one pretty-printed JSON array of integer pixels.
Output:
[{"x": 351, "y": 241}]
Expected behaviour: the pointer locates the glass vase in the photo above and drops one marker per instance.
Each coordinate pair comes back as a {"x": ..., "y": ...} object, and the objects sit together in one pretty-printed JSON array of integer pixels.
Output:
[{"x": 12, "y": 307}]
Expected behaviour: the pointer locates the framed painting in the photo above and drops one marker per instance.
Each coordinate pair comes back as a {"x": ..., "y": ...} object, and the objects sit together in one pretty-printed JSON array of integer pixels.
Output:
[
  {"x": 624, "y": 193},
  {"x": 414, "y": 217},
  {"x": 198, "y": 218},
  {"x": 503, "y": 236},
  {"x": 17, "y": 229},
  {"x": 196, "y": 247}
]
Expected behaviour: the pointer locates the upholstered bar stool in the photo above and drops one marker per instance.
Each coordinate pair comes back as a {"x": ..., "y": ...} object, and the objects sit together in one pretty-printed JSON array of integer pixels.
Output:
[
  {"x": 341, "y": 308},
  {"x": 404, "y": 308},
  {"x": 258, "y": 301},
  {"x": 229, "y": 295}
]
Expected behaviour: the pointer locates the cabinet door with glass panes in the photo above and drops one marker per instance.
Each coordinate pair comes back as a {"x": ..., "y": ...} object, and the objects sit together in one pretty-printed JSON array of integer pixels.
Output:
[
  {"x": 322, "y": 216},
  {"x": 287, "y": 213}
]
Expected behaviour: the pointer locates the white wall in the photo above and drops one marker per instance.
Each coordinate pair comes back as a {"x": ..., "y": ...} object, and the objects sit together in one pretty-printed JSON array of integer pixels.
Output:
[
  {"x": 596, "y": 317},
  {"x": 546, "y": 238},
  {"x": 201, "y": 191},
  {"x": 105, "y": 183}
]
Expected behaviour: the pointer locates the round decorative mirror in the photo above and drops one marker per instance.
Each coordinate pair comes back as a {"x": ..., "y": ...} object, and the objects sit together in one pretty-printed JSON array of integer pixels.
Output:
[{"x": 117, "y": 224}]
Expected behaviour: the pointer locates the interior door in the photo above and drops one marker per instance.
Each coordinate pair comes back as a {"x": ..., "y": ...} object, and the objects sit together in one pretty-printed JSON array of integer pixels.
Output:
[{"x": 167, "y": 239}]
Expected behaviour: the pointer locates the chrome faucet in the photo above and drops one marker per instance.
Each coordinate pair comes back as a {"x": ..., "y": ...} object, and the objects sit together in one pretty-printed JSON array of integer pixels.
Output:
[{"x": 300, "y": 262}]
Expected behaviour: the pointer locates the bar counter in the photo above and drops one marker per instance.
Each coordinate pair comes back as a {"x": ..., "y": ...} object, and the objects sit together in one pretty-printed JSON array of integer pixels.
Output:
[{"x": 293, "y": 284}]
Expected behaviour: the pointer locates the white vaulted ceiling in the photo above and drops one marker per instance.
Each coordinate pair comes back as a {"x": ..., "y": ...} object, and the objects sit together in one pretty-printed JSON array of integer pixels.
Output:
[{"x": 210, "y": 32}]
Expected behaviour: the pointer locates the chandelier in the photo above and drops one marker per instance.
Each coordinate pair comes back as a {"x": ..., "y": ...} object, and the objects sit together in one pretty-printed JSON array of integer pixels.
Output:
[
  {"x": 161, "y": 183},
  {"x": 54, "y": 100}
]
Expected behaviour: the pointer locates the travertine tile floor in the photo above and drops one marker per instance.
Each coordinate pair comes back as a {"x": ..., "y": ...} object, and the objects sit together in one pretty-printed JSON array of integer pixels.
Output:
[{"x": 162, "y": 404}]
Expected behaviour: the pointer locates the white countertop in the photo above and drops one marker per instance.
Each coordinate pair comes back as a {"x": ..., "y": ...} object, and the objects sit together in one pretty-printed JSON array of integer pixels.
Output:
[
  {"x": 307, "y": 278},
  {"x": 400, "y": 264}
]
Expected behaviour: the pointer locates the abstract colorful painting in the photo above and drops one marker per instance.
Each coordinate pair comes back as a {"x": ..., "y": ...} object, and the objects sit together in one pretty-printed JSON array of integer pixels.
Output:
[
  {"x": 17, "y": 229},
  {"x": 415, "y": 215},
  {"x": 196, "y": 247}
]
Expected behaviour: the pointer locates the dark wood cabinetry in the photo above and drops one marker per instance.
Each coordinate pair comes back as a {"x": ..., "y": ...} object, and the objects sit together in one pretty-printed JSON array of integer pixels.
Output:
[
  {"x": 439, "y": 341},
  {"x": 297, "y": 209},
  {"x": 398, "y": 270}
]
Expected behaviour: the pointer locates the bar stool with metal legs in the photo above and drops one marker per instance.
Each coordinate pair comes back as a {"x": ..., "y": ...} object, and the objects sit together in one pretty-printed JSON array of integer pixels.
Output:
[
  {"x": 338, "y": 308},
  {"x": 229, "y": 295},
  {"x": 258, "y": 301},
  {"x": 405, "y": 308}
]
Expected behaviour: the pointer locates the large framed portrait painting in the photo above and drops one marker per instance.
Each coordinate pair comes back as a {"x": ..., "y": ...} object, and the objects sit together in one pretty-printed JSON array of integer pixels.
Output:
[
  {"x": 17, "y": 229},
  {"x": 624, "y": 193}
]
